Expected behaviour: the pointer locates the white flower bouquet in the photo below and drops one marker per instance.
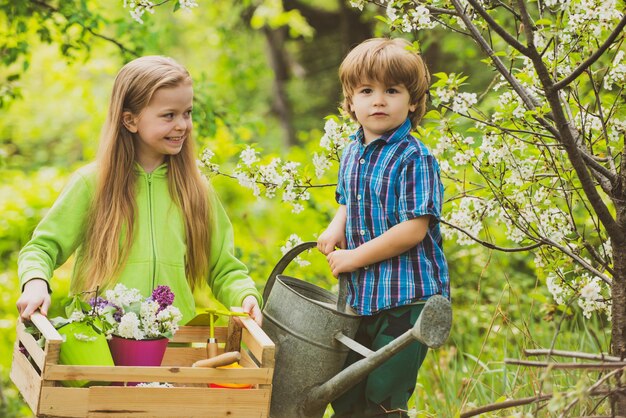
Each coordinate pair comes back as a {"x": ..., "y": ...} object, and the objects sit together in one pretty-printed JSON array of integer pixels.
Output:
[{"x": 129, "y": 315}]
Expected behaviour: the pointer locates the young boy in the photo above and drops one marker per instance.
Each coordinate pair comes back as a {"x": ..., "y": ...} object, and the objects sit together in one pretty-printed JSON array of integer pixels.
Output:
[{"x": 387, "y": 225}]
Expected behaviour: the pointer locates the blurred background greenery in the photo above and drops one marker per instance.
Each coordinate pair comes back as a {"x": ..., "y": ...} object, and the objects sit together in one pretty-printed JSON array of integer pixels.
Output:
[{"x": 265, "y": 75}]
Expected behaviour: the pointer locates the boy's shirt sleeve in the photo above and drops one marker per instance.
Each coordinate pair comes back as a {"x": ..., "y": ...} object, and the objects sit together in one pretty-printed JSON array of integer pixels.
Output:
[
  {"x": 58, "y": 234},
  {"x": 420, "y": 191},
  {"x": 228, "y": 276}
]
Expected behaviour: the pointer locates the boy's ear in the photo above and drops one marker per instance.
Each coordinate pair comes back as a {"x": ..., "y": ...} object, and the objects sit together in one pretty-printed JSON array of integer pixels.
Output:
[
  {"x": 412, "y": 107},
  {"x": 129, "y": 121}
]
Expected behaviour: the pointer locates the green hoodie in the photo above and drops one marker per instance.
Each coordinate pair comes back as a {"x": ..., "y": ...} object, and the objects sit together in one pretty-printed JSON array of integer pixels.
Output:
[{"x": 157, "y": 255}]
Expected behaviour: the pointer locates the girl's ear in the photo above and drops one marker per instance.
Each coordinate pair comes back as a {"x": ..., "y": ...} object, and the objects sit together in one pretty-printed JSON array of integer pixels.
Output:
[{"x": 129, "y": 122}]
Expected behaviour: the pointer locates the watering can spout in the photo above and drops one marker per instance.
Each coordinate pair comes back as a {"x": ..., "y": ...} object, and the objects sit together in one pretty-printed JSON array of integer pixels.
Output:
[{"x": 431, "y": 328}]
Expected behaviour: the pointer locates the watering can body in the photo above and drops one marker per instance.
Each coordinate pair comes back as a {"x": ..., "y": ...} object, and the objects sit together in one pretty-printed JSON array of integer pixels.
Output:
[
  {"x": 312, "y": 333},
  {"x": 301, "y": 319}
]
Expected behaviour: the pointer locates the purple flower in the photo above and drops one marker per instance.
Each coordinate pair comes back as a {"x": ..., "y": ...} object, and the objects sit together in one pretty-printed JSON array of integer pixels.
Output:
[
  {"x": 99, "y": 303},
  {"x": 163, "y": 296},
  {"x": 117, "y": 315}
]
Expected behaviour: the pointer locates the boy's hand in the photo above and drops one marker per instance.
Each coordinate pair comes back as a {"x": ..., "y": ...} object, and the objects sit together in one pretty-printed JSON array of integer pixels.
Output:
[
  {"x": 342, "y": 261},
  {"x": 335, "y": 235},
  {"x": 35, "y": 296},
  {"x": 330, "y": 239}
]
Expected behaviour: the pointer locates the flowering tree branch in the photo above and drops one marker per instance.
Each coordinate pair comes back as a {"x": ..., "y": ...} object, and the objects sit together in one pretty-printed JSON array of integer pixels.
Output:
[
  {"x": 494, "y": 25},
  {"x": 530, "y": 102},
  {"x": 565, "y": 250},
  {"x": 490, "y": 245},
  {"x": 593, "y": 57},
  {"x": 87, "y": 28},
  {"x": 567, "y": 138}
]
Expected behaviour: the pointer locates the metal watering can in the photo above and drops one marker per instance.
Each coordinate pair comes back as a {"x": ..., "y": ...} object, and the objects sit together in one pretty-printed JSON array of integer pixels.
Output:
[{"x": 313, "y": 335}]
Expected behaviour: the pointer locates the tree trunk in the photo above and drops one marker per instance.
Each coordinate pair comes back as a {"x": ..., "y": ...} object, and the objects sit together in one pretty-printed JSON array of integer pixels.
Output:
[
  {"x": 281, "y": 105},
  {"x": 618, "y": 313}
]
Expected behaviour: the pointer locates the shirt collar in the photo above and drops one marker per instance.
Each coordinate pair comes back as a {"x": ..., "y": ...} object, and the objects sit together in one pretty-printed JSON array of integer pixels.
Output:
[{"x": 388, "y": 137}]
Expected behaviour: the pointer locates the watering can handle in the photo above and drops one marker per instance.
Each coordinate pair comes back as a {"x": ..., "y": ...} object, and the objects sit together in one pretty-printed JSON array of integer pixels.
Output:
[
  {"x": 288, "y": 258},
  {"x": 284, "y": 262}
]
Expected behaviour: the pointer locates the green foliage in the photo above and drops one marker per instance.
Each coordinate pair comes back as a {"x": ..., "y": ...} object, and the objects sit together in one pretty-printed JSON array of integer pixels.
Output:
[{"x": 55, "y": 80}]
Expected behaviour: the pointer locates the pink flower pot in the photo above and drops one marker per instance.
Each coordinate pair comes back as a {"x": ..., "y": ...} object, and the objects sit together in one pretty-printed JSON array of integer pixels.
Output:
[{"x": 128, "y": 352}]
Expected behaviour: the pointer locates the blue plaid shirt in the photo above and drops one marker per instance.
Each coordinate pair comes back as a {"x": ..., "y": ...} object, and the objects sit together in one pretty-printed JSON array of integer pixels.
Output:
[{"x": 389, "y": 181}]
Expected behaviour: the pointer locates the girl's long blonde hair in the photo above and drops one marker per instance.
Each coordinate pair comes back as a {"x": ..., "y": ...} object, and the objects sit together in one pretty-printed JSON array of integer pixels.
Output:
[{"x": 111, "y": 220}]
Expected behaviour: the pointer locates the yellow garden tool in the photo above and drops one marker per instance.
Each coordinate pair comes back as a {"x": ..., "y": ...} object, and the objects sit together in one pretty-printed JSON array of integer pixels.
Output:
[{"x": 211, "y": 315}]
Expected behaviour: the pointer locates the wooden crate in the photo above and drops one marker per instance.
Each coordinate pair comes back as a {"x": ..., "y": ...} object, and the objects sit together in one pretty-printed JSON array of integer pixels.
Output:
[{"x": 37, "y": 374}]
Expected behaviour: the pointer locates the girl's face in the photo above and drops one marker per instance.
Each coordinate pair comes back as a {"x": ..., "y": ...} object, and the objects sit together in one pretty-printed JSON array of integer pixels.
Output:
[
  {"x": 380, "y": 108},
  {"x": 163, "y": 126}
]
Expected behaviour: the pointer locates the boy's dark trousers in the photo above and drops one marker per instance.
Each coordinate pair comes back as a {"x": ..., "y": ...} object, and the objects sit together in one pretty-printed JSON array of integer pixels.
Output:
[{"x": 386, "y": 391}]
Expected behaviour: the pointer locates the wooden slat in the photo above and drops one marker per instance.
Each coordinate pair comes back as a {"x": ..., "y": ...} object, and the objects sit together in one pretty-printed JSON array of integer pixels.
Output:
[
  {"x": 195, "y": 402},
  {"x": 48, "y": 330},
  {"x": 29, "y": 342},
  {"x": 65, "y": 402},
  {"x": 25, "y": 378},
  {"x": 52, "y": 349},
  {"x": 247, "y": 360},
  {"x": 101, "y": 401},
  {"x": 199, "y": 333},
  {"x": 183, "y": 356},
  {"x": 157, "y": 374},
  {"x": 258, "y": 343},
  {"x": 233, "y": 343},
  {"x": 257, "y": 332}
]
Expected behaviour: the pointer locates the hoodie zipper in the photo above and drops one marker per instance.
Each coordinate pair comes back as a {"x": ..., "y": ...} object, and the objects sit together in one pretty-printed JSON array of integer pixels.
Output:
[{"x": 152, "y": 244}]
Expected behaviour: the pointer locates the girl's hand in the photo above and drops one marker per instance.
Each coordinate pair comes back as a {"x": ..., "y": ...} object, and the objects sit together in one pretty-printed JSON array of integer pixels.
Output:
[
  {"x": 342, "y": 261},
  {"x": 35, "y": 296},
  {"x": 251, "y": 306}
]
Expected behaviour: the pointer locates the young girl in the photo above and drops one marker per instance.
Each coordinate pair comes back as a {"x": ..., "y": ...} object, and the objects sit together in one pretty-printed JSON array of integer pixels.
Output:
[{"x": 142, "y": 214}]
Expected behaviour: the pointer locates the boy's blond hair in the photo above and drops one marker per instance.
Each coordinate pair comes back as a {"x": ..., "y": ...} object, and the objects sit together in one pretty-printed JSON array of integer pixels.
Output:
[{"x": 388, "y": 61}]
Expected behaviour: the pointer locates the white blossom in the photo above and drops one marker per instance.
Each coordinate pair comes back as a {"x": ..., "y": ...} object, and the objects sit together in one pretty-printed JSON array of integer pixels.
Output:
[
  {"x": 206, "y": 160},
  {"x": 187, "y": 4},
  {"x": 138, "y": 8},
  {"x": 248, "y": 156},
  {"x": 120, "y": 295},
  {"x": 357, "y": 4},
  {"x": 155, "y": 385},
  {"x": 617, "y": 73},
  {"x": 463, "y": 101},
  {"x": 292, "y": 241},
  {"x": 76, "y": 316},
  {"x": 130, "y": 327},
  {"x": 444, "y": 94},
  {"x": 559, "y": 292},
  {"x": 591, "y": 299},
  {"x": 321, "y": 164}
]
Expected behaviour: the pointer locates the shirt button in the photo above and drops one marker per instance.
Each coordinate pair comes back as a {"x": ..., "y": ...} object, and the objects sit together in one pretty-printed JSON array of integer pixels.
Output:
[
  {"x": 366, "y": 267},
  {"x": 362, "y": 232},
  {"x": 362, "y": 161},
  {"x": 358, "y": 197}
]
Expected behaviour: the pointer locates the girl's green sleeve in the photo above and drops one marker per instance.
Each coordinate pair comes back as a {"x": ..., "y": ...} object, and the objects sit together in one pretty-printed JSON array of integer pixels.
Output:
[
  {"x": 58, "y": 234},
  {"x": 228, "y": 277}
]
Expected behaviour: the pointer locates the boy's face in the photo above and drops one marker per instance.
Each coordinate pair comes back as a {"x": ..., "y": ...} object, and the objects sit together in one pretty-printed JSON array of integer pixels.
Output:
[{"x": 380, "y": 108}]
